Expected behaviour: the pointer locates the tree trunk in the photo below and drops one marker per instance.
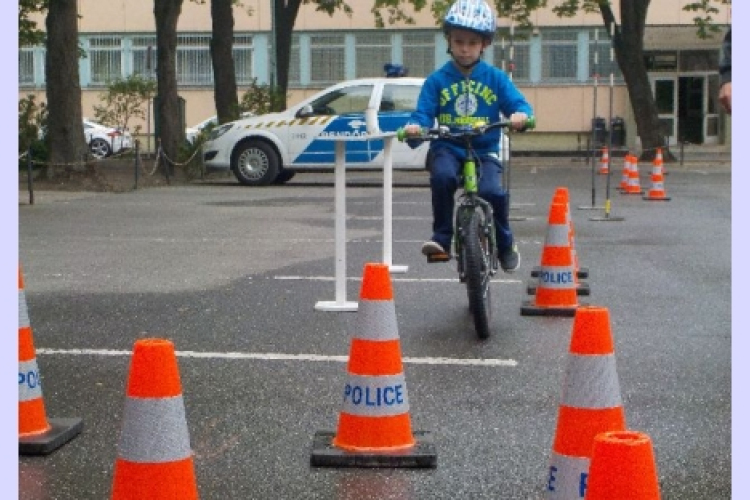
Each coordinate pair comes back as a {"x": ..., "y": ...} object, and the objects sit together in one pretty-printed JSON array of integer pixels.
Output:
[
  {"x": 286, "y": 16},
  {"x": 225, "y": 81},
  {"x": 171, "y": 128},
  {"x": 65, "y": 138},
  {"x": 629, "y": 53}
]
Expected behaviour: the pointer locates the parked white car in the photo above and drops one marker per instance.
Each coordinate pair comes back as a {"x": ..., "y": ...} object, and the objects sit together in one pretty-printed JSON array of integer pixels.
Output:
[
  {"x": 269, "y": 148},
  {"x": 191, "y": 133},
  {"x": 105, "y": 141}
]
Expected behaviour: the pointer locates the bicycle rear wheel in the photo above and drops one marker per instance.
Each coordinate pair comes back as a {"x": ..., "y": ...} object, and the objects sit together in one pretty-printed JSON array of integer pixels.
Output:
[{"x": 476, "y": 249}]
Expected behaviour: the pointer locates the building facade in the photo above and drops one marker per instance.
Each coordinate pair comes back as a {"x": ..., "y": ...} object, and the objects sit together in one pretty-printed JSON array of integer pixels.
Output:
[{"x": 564, "y": 66}]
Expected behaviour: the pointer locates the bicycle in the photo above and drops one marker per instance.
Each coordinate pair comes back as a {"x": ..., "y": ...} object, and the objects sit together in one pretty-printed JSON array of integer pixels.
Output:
[{"x": 474, "y": 224}]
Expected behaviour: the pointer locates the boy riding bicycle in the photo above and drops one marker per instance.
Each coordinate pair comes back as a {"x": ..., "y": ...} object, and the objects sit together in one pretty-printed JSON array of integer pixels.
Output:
[{"x": 463, "y": 92}]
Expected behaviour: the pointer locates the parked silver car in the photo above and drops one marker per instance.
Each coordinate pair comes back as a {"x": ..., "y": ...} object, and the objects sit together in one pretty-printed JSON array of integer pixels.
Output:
[{"x": 105, "y": 141}]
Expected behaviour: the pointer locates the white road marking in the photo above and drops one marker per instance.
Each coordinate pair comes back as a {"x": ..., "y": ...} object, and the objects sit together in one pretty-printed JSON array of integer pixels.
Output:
[
  {"x": 270, "y": 356},
  {"x": 404, "y": 280}
]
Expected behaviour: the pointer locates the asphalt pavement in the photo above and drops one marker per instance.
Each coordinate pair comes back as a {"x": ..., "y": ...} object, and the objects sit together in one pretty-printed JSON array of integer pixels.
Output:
[{"x": 231, "y": 275}]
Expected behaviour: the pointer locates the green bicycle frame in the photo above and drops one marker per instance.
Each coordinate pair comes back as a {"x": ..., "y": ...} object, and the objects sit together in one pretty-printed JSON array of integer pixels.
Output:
[{"x": 470, "y": 176}]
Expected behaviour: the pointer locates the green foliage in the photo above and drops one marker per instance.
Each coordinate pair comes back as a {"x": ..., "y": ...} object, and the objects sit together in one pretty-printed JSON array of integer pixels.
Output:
[
  {"x": 124, "y": 100},
  {"x": 32, "y": 121},
  {"x": 330, "y": 6},
  {"x": 394, "y": 12},
  {"x": 28, "y": 32},
  {"x": 260, "y": 99},
  {"x": 705, "y": 22}
]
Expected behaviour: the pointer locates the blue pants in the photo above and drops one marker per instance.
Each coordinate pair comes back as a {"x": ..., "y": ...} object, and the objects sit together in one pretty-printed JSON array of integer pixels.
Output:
[{"x": 445, "y": 171}]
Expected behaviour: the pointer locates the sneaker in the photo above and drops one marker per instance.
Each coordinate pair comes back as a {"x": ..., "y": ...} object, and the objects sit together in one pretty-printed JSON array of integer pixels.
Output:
[
  {"x": 430, "y": 248},
  {"x": 510, "y": 259}
]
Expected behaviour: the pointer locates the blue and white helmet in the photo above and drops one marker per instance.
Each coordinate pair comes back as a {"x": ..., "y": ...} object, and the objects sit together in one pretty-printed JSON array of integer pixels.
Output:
[{"x": 472, "y": 15}]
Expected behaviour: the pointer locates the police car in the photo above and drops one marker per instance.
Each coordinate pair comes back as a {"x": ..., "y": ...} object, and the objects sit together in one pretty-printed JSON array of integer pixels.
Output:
[{"x": 266, "y": 149}]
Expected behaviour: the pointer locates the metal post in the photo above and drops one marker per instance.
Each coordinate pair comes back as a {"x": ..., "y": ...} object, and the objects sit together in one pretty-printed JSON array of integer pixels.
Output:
[
  {"x": 30, "y": 173},
  {"x": 591, "y": 149},
  {"x": 137, "y": 162},
  {"x": 608, "y": 202}
]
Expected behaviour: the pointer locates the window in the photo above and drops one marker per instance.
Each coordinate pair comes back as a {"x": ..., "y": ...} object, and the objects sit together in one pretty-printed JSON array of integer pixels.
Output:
[
  {"x": 105, "y": 59},
  {"x": 295, "y": 76},
  {"x": 519, "y": 66},
  {"x": 600, "y": 57},
  {"x": 194, "y": 60},
  {"x": 560, "y": 55},
  {"x": 373, "y": 52},
  {"x": 399, "y": 98},
  {"x": 661, "y": 61},
  {"x": 242, "y": 53},
  {"x": 419, "y": 53},
  {"x": 342, "y": 101},
  {"x": 326, "y": 59},
  {"x": 26, "y": 66},
  {"x": 144, "y": 55}
]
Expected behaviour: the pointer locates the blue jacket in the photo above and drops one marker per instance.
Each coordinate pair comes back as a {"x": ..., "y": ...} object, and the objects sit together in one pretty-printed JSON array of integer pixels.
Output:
[{"x": 459, "y": 101}]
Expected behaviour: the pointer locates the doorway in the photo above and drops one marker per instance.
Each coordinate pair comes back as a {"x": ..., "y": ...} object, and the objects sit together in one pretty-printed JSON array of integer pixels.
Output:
[{"x": 690, "y": 109}]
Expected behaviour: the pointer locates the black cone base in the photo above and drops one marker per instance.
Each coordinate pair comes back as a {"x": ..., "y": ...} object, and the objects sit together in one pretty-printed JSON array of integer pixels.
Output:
[
  {"x": 62, "y": 430},
  {"x": 421, "y": 455}
]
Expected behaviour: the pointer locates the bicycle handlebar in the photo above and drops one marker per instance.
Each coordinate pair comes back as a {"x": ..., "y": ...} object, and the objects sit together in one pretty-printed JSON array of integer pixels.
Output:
[{"x": 479, "y": 128}]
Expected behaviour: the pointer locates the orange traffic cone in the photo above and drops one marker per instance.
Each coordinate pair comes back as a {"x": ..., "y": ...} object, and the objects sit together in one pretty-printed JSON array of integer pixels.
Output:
[
  {"x": 657, "y": 192},
  {"x": 603, "y": 167},
  {"x": 634, "y": 178},
  {"x": 154, "y": 459},
  {"x": 622, "y": 466},
  {"x": 374, "y": 428},
  {"x": 658, "y": 158},
  {"x": 625, "y": 179},
  {"x": 591, "y": 403},
  {"x": 581, "y": 272},
  {"x": 36, "y": 434},
  {"x": 556, "y": 288},
  {"x": 562, "y": 196}
]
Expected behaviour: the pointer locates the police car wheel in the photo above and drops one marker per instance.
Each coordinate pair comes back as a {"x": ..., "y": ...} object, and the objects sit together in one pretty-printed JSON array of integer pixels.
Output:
[{"x": 255, "y": 163}]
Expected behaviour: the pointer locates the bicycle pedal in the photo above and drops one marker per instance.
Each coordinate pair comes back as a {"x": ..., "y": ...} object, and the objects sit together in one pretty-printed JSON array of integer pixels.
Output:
[{"x": 438, "y": 257}]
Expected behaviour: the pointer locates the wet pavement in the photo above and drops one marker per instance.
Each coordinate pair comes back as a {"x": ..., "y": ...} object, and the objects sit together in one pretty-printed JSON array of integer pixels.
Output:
[{"x": 231, "y": 275}]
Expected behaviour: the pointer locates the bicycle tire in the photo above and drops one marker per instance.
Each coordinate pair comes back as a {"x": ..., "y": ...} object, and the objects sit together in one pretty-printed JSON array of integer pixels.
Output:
[{"x": 476, "y": 267}]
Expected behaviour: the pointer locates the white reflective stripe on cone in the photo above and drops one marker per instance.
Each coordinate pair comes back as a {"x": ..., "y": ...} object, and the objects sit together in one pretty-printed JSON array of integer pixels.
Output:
[
  {"x": 154, "y": 430},
  {"x": 567, "y": 476},
  {"x": 23, "y": 310},
  {"x": 591, "y": 382},
  {"x": 557, "y": 235},
  {"x": 376, "y": 320},
  {"x": 375, "y": 396}
]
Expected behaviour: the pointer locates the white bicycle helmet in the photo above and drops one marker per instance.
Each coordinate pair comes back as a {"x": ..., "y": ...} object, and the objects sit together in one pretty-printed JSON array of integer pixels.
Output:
[{"x": 472, "y": 15}]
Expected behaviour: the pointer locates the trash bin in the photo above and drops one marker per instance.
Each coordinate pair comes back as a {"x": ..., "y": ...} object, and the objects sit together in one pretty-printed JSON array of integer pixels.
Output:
[
  {"x": 599, "y": 127},
  {"x": 618, "y": 131}
]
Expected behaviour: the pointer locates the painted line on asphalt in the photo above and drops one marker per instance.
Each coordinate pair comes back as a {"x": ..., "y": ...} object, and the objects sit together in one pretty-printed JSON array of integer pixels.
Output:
[
  {"x": 401, "y": 280},
  {"x": 270, "y": 356}
]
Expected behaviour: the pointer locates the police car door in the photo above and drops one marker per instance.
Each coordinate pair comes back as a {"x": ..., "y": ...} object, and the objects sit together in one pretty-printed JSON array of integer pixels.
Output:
[{"x": 340, "y": 112}]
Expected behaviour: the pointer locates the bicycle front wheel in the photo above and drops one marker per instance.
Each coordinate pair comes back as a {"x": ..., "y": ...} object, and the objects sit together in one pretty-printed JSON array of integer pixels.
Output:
[{"x": 476, "y": 252}]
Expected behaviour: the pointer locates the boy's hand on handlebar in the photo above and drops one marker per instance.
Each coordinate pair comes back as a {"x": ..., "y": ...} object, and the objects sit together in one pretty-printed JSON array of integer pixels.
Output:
[
  {"x": 518, "y": 121},
  {"x": 412, "y": 130}
]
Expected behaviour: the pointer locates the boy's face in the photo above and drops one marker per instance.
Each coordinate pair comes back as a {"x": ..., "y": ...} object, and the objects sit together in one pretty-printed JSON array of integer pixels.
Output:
[{"x": 466, "y": 46}]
